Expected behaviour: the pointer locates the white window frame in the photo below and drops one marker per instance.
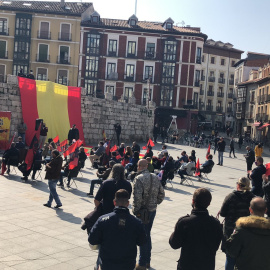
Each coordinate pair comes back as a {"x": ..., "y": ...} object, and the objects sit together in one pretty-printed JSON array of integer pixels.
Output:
[
  {"x": 69, "y": 28},
  {"x": 37, "y": 72},
  {"x": 62, "y": 69}
]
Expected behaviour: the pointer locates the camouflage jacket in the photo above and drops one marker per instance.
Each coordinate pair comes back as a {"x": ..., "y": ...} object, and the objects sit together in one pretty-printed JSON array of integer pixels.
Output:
[{"x": 141, "y": 190}]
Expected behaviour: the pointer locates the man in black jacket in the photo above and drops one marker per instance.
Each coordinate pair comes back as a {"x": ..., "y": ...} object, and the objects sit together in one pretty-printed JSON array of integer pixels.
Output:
[
  {"x": 118, "y": 234},
  {"x": 118, "y": 130},
  {"x": 256, "y": 177},
  {"x": 250, "y": 158},
  {"x": 221, "y": 148},
  {"x": 198, "y": 234},
  {"x": 73, "y": 134},
  {"x": 207, "y": 166}
]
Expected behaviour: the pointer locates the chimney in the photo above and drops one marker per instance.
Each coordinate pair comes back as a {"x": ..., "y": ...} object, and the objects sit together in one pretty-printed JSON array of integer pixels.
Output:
[{"x": 62, "y": 4}]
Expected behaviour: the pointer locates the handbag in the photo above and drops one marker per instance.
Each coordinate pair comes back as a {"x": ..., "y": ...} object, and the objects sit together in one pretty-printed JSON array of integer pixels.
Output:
[{"x": 143, "y": 213}]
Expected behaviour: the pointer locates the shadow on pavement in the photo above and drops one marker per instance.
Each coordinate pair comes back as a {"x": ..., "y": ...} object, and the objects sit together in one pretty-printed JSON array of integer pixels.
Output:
[{"x": 67, "y": 216}]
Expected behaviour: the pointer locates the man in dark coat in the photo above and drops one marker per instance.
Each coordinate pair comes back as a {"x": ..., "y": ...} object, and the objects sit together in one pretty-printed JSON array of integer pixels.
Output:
[
  {"x": 53, "y": 171},
  {"x": 155, "y": 132},
  {"x": 198, "y": 234},
  {"x": 232, "y": 147},
  {"x": 221, "y": 148},
  {"x": 118, "y": 234},
  {"x": 8, "y": 156},
  {"x": 73, "y": 134},
  {"x": 135, "y": 147},
  {"x": 250, "y": 158},
  {"x": 256, "y": 177},
  {"x": 118, "y": 130},
  {"x": 249, "y": 243},
  {"x": 207, "y": 166}
]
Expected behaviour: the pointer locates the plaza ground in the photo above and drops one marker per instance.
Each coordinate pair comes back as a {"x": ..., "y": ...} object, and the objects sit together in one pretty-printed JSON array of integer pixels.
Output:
[{"x": 35, "y": 237}]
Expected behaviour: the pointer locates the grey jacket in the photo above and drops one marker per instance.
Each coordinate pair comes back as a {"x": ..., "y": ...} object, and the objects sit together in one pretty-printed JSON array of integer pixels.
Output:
[
  {"x": 142, "y": 188},
  {"x": 188, "y": 167},
  {"x": 100, "y": 151}
]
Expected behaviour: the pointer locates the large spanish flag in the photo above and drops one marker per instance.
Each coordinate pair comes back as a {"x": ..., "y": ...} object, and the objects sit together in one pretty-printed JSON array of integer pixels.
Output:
[{"x": 58, "y": 105}]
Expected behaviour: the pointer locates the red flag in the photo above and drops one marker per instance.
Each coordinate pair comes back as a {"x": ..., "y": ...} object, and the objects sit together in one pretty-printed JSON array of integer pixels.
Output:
[
  {"x": 114, "y": 148},
  {"x": 208, "y": 150},
  {"x": 267, "y": 166},
  {"x": 150, "y": 142},
  {"x": 197, "y": 172},
  {"x": 74, "y": 158},
  {"x": 11, "y": 140},
  {"x": 72, "y": 148},
  {"x": 144, "y": 147},
  {"x": 62, "y": 146},
  {"x": 118, "y": 157},
  {"x": 141, "y": 155},
  {"x": 56, "y": 139}
]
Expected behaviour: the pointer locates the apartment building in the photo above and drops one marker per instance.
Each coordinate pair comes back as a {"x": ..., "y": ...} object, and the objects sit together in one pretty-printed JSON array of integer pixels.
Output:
[
  {"x": 41, "y": 36},
  {"x": 217, "y": 83},
  {"x": 140, "y": 61}
]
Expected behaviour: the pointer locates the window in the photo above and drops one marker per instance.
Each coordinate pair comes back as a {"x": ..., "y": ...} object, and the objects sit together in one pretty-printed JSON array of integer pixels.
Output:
[
  {"x": 131, "y": 52},
  {"x": 23, "y": 27},
  {"x": 42, "y": 74},
  {"x": 199, "y": 55},
  {"x": 166, "y": 96},
  {"x": 195, "y": 99},
  {"x": 112, "y": 47},
  {"x": 168, "y": 73},
  {"x": 222, "y": 62},
  {"x": 62, "y": 77},
  {"x": 128, "y": 93},
  {"x": 63, "y": 57},
  {"x": 44, "y": 31},
  {"x": 219, "y": 108},
  {"x": 233, "y": 63},
  {"x": 148, "y": 73},
  {"x": 3, "y": 49},
  {"x": 203, "y": 58},
  {"x": 93, "y": 41},
  {"x": 229, "y": 106},
  {"x": 146, "y": 95},
  {"x": 3, "y": 26},
  {"x": 65, "y": 32},
  {"x": 111, "y": 69},
  {"x": 91, "y": 67},
  {"x": 43, "y": 50},
  {"x": 169, "y": 50},
  {"x": 212, "y": 60},
  {"x": 21, "y": 50},
  {"x": 95, "y": 19},
  {"x": 212, "y": 74},
  {"x": 169, "y": 25},
  {"x": 2, "y": 73},
  {"x": 17, "y": 68},
  {"x": 130, "y": 72},
  {"x": 110, "y": 89},
  {"x": 132, "y": 22},
  {"x": 197, "y": 77},
  {"x": 150, "y": 50},
  {"x": 91, "y": 87}
]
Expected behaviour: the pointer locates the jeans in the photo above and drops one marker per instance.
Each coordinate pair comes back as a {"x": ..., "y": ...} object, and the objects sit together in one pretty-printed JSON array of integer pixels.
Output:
[
  {"x": 145, "y": 250},
  {"x": 220, "y": 157},
  {"x": 182, "y": 173},
  {"x": 93, "y": 182},
  {"x": 53, "y": 194},
  {"x": 230, "y": 262},
  {"x": 22, "y": 135},
  {"x": 232, "y": 151}
]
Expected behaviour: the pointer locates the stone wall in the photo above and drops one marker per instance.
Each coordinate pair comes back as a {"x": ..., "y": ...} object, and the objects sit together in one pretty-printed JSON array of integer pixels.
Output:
[{"x": 97, "y": 114}]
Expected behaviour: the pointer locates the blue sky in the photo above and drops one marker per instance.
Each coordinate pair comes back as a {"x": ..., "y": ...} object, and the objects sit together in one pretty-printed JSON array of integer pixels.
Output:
[{"x": 244, "y": 23}]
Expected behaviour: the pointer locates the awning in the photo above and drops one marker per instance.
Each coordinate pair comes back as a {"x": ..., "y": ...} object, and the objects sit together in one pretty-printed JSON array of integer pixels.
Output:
[
  {"x": 256, "y": 124},
  {"x": 263, "y": 126}
]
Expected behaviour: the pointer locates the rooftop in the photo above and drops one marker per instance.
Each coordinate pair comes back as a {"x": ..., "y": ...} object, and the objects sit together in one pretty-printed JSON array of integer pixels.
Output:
[
  {"x": 64, "y": 8},
  {"x": 211, "y": 44}
]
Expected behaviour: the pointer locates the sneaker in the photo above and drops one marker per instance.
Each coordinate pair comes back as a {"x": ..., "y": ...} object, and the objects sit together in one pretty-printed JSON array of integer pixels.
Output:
[
  {"x": 218, "y": 164},
  {"x": 139, "y": 267},
  {"x": 90, "y": 194},
  {"x": 25, "y": 178},
  {"x": 47, "y": 205},
  {"x": 58, "y": 205}
]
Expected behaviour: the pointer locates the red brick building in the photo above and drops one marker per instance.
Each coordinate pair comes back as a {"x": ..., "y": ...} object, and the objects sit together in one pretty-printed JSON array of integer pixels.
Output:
[{"x": 139, "y": 61}]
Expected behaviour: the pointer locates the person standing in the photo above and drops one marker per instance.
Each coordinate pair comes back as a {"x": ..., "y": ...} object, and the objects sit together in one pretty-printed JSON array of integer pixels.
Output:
[
  {"x": 250, "y": 158},
  {"x": 43, "y": 135},
  {"x": 216, "y": 140},
  {"x": 53, "y": 171},
  {"x": 155, "y": 132},
  {"x": 148, "y": 193},
  {"x": 73, "y": 134},
  {"x": 163, "y": 134},
  {"x": 30, "y": 75},
  {"x": 266, "y": 191},
  {"x": 232, "y": 147},
  {"x": 249, "y": 243},
  {"x": 235, "y": 205},
  {"x": 198, "y": 235},
  {"x": 221, "y": 149},
  {"x": 118, "y": 234},
  {"x": 258, "y": 150},
  {"x": 118, "y": 130},
  {"x": 240, "y": 141},
  {"x": 22, "y": 127},
  {"x": 256, "y": 177}
]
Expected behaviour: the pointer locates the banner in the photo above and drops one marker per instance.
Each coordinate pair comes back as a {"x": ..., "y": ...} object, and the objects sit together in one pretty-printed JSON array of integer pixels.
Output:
[
  {"x": 5, "y": 118},
  {"x": 58, "y": 105}
]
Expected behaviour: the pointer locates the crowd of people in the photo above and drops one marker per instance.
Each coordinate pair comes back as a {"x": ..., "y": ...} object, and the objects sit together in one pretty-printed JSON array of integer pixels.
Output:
[{"x": 124, "y": 172}]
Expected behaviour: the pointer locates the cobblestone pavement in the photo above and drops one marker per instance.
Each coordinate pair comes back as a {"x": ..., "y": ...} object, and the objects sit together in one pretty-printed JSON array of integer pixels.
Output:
[{"x": 35, "y": 237}]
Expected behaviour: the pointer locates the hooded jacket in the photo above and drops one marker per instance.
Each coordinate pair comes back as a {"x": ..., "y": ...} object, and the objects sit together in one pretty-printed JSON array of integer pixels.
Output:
[
  {"x": 249, "y": 243},
  {"x": 55, "y": 168}
]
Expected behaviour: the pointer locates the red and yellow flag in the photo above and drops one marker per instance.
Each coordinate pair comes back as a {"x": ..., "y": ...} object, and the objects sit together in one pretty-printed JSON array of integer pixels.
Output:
[{"x": 58, "y": 105}]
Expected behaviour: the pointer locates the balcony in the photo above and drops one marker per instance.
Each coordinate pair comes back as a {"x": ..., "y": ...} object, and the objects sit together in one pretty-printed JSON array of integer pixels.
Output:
[
  {"x": 4, "y": 54},
  {"x": 249, "y": 115},
  {"x": 201, "y": 92},
  {"x": 44, "y": 34},
  {"x": 201, "y": 107},
  {"x": 131, "y": 55},
  {"x": 219, "y": 109},
  {"x": 4, "y": 31},
  {"x": 211, "y": 79},
  {"x": 63, "y": 60},
  {"x": 112, "y": 53},
  {"x": 231, "y": 82},
  {"x": 262, "y": 99},
  {"x": 258, "y": 99},
  {"x": 129, "y": 78},
  {"x": 3, "y": 78},
  {"x": 209, "y": 108},
  {"x": 44, "y": 58},
  {"x": 210, "y": 93},
  {"x": 221, "y": 95},
  {"x": 197, "y": 84},
  {"x": 230, "y": 95},
  {"x": 112, "y": 76},
  {"x": 198, "y": 60},
  {"x": 195, "y": 105},
  {"x": 202, "y": 78},
  {"x": 221, "y": 80},
  {"x": 268, "y": 98},
  {"x": 229, "y": 109},
  {"x": 240, "y": 115},
  {"x": 147, "y": 80},
  {"x": 62, "y": 80},
  {"x": 42, "y": 77},
  {"x": 150, "y": 55},
  {"x": 64, "y": 36}
]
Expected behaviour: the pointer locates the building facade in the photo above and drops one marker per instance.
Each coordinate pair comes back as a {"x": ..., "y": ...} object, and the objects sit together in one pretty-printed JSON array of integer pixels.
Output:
[
  {"x": 217, "y": 83},
  {"x": 43, "y": 37},
  {"x": 138, "y": 61}
]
